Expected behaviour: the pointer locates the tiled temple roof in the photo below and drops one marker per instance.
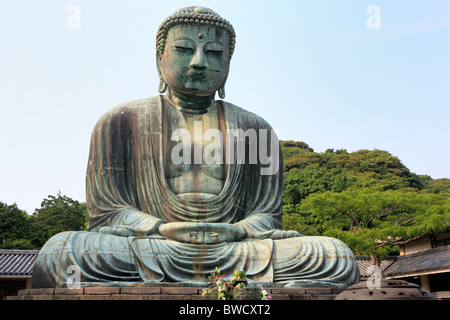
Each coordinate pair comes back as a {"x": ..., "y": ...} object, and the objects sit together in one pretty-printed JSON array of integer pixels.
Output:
[
  {"x": 429, "y": 261},
  {"x": 17, "y": 262}
]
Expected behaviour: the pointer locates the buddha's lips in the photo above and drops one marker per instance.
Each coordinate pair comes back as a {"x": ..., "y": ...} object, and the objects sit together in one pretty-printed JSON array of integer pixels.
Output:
[{"x": 197, "y": 75}]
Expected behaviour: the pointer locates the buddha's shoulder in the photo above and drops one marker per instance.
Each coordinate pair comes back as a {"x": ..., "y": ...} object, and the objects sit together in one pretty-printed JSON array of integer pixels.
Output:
[
  {"x": 137, "y": 108},
  {"x": 246, "y": 116},
  {"x": 131, "y": 109}
]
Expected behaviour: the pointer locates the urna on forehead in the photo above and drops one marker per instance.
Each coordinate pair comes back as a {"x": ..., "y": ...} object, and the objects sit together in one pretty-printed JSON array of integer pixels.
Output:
[
  {"x": 201, "y": 33},
  {"x": 196, "y": 16}
]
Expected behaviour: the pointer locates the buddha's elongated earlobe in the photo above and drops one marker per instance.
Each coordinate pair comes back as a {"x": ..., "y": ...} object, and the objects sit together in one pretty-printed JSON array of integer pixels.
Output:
[
  {"x": 222, "y": 92},
  {"x": 162, "y": 86}
]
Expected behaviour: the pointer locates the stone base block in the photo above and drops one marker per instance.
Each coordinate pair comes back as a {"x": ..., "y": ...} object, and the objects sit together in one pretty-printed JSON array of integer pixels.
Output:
[{"x": 161, "y": 293}]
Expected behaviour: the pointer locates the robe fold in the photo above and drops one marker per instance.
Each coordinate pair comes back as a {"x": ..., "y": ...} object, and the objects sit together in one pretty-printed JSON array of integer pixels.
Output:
[{"x": 127, "y": 190}]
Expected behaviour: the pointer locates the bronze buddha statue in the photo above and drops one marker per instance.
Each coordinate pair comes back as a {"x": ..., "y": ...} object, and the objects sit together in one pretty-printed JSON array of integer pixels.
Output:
[{"x": 177, "y": 185}]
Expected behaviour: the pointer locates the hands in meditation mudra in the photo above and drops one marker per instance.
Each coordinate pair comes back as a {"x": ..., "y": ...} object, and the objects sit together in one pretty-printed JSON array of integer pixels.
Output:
[{"x": 182, "y": 183}]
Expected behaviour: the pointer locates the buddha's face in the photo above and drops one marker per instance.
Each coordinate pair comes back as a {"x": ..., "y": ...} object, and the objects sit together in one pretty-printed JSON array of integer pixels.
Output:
[{"x": 195, "y": 59}]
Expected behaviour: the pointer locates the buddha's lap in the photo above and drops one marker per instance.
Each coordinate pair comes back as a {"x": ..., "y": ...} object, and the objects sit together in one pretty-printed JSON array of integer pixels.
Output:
[
  {"x": 92, "y": 243},
  {"x": 104, "y": 257}
]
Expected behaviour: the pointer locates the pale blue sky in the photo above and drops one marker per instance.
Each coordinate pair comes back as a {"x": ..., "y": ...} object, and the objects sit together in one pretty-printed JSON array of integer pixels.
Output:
[{"x": 312, "y": 69}]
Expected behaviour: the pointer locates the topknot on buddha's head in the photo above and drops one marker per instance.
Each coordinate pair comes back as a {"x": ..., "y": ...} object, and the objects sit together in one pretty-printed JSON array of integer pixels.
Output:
[{"x": 194, "y": 16}]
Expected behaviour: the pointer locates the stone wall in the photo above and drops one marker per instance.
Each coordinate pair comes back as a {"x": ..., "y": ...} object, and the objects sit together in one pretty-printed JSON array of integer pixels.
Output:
[{"x": 161, "y": 293}]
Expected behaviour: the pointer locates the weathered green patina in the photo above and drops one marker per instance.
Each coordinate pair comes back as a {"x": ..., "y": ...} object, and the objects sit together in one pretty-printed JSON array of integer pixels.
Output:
[{"x": 174, "y": 188}]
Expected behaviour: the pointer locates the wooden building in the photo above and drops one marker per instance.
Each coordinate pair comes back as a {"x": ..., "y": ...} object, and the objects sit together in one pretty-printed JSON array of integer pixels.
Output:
[
  {"x": 425, "y": 262},
  {"x": 16, "y": 267}
]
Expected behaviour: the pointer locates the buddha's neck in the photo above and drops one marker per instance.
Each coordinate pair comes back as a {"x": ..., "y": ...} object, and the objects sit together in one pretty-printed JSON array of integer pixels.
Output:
[{"x": 190, "y": 103}]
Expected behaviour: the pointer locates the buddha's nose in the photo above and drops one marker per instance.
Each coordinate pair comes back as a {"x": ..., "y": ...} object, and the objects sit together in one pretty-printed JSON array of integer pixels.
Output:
[{"x": 199, "y": 60}]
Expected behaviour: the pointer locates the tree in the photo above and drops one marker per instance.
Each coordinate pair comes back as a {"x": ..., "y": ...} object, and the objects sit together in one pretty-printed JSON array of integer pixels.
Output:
[
  {"x": 18, "y": 244},
  {"x": 305, "y": 223},
  {"x": 57, "y": 214},
  {"x": 308, "y": 172},
  {"x": 435, "y": 185},
  {"x": 373, "y": 222},
  {"x": 15, "y": 225},
  {"x": 298, "y": 184}
]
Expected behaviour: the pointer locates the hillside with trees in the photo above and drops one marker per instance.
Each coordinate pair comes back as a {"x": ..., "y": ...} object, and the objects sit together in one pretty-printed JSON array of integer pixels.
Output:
[
  {"x": 367, "y": 198},
  {"x": 21, "y": 231}
]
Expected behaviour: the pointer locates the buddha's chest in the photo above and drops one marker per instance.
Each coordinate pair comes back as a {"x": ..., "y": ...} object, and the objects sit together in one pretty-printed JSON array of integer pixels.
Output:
[{"x": 193, "y": 152}]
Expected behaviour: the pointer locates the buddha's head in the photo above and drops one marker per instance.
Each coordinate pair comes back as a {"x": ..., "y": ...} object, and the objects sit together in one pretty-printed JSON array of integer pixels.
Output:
[{"x": 194, "y": 49}]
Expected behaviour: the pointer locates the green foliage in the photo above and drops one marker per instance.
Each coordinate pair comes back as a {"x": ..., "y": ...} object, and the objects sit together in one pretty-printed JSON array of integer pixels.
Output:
[
  {"x": 19, "y": 244},
  {"x": 373, "y": 222},
  {"x": 304, "y": 223},
  {"x": 57, "y": 214},
  {"x": 314, "y": 179},
  {"x": 308, "y": 172},
  {"x": 14, "y": 226},
  {"x": 435, "y": 185},
  {"x": 368, "y": 199}
]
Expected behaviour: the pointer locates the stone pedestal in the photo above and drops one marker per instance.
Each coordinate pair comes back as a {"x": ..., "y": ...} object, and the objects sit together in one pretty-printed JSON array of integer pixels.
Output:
[{"x": 161, "y": 293}]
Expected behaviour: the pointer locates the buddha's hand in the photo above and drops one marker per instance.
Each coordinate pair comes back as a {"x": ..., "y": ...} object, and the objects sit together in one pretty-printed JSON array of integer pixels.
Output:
[
  {"x": 202, "y": 233},
  {"x": 124, "y": 231}
]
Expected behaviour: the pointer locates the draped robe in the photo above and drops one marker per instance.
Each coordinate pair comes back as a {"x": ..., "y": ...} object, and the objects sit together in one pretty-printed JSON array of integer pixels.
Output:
[{"x": 127, "y": 188}]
